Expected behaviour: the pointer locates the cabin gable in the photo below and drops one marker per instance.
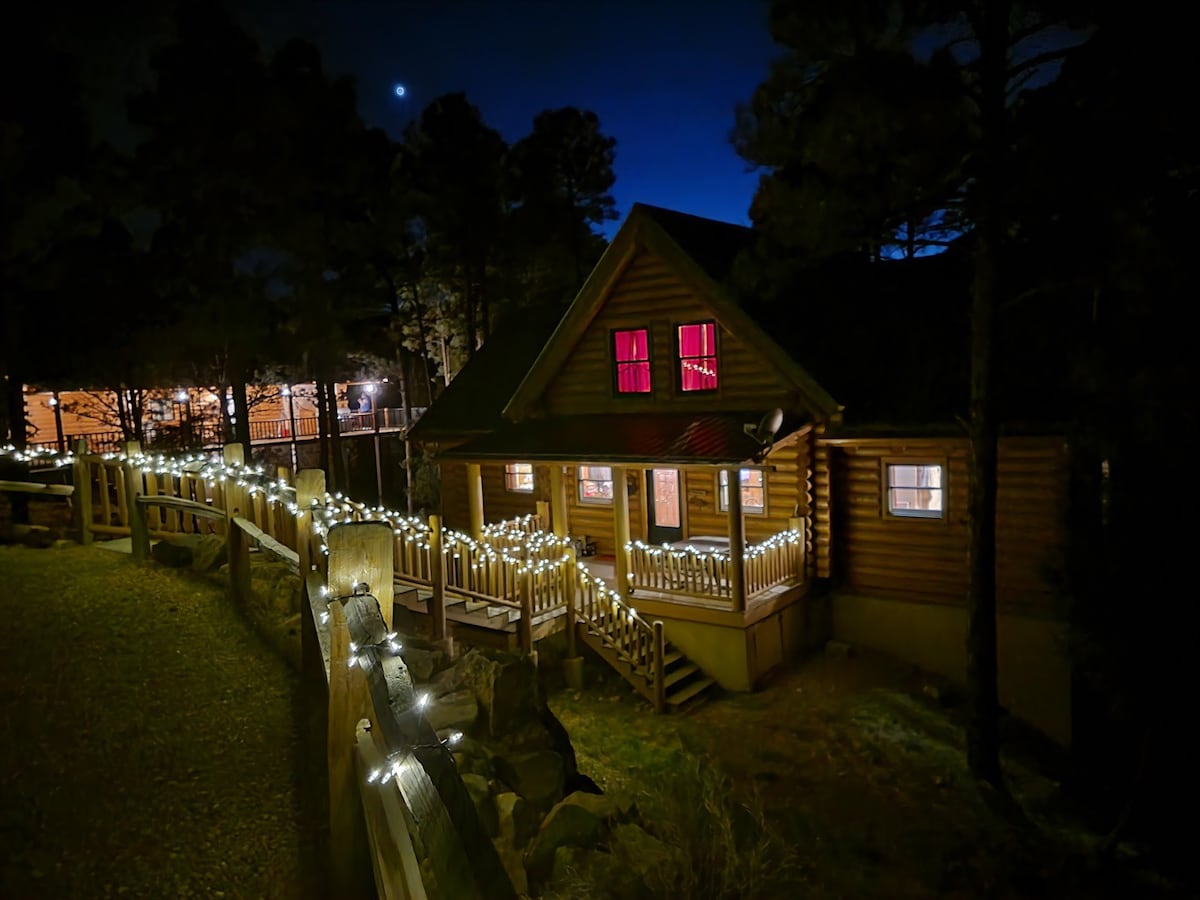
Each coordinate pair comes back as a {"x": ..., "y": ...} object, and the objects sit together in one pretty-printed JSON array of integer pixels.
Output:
[{"x": 649, "y": 294}]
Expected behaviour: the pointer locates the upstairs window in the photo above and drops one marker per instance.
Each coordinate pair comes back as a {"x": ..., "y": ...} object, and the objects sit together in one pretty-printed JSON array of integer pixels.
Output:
[
  {"x": 518, "y": 477},
  {"x": 631, "y": 355},
  {"x": 697, "y": 356},
  {"x": 916, "y": 490},
  {"x": 595, "y": 484},
  {"x": 754, "y": 490}
]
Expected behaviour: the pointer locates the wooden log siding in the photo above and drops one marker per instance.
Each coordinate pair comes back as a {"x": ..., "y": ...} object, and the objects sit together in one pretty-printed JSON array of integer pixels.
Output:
[
  {"x": 595, "y": 520},
  {"x": 649, "y": 294},
  {"x": 926, "y": 558},
  {"x": 499, "y": 504}
]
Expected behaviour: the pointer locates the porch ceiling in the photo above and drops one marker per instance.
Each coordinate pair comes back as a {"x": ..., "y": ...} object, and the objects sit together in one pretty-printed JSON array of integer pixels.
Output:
[{"x": 713, "y": 439}]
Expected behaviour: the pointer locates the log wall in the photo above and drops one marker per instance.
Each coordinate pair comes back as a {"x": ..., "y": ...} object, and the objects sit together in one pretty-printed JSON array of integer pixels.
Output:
[
  {"x": 879, "y": 554},
  {"x": 648, "y": 294}
]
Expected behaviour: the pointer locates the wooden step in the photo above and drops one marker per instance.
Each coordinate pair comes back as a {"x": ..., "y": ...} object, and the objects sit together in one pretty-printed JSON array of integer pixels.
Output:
[
  {"x": 473, "y": 605},
  {"x": 678, "y": 675},
  {"x": 671, "y": 657},
  {"x": 689, "y": 691}
]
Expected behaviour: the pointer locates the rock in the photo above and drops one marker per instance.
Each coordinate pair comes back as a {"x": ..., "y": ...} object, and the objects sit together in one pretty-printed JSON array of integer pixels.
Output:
[
  {"x": 511, "y": 860},
  {"x": 581, "y": 820},
  {"x": 445, "y": 682},
  {"x": 171, "y": 554},
  {"x": 421, "y": 663},
  {"x": 537, "y": 777},
  {"x": 481, "y": 797},
  {"x": 458, "y": 711},
  {"x": 208, "y": 552},
  {"x": 506, "y": 688},
  {"x": 518, "y": 821}
]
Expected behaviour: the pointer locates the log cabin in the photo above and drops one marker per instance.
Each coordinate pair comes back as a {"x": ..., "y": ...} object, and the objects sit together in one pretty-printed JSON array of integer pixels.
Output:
[{"x": 833, "y": 415}]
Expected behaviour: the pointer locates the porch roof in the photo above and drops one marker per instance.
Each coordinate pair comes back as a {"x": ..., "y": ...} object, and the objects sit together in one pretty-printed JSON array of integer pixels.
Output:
[{"x": 713, "y": 439}]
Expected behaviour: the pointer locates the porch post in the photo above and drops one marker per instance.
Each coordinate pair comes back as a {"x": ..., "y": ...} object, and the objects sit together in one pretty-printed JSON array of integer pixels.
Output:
[
  {"x": 558, "y": 500},
  {"x": 475, "y": 499},
  {"x": 621, "y": 528},
  {"x": 737, "y": 543}
]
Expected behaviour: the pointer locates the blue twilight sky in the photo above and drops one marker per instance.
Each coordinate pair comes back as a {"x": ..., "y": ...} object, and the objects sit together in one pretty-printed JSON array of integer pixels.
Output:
[{"x": 662, "y": 75}]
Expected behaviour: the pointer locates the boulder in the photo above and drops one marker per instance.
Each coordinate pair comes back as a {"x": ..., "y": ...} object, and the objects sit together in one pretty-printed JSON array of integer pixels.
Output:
[
  {"x": 505, "y": 684},
  {"x": 481, "y": 797},
  {"x": 445, "y": 682},
  {"x": 581, "y": 820},
  {"x": 518, "y": 821},
  {"x": 537, "y": 777},
  {"x": 200, "y": 552},
  {"x": 564, "y": 862},
  {"x": 171, "y": 554},
  {"x": 421, "y": 663},
  {"x": 457, "y": 711},
  {"x": 511, "y": 860}
]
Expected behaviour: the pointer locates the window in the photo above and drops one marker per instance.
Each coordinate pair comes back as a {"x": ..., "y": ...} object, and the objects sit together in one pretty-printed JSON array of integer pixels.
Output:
[
  {"x": 595, "y": 484},
  {"x": 519, "y": 477},
  {"x": 698, "y": 356},
  {"x": 631, "y": 353},
  {"x": 754, "y": 490},
  {"x": 916, "y": 490}
]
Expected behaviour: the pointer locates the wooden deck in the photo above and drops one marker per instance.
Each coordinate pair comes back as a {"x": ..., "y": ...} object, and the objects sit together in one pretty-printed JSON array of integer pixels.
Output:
[{"x": 476, "y": 621}]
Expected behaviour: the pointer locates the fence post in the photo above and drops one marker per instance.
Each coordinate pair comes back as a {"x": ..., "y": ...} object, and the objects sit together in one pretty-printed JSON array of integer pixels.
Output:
[
  {"x": 801, "y": 563},
  {"x": 361, "y": 553},
  {"x": 348, "y": 704},
  {"x": 437, "y": 575},
  {"x": 573, "y": 664},
  {"x": 310, "y": 486},
  {"x": 543, "y": 515},
  {"x": 81, "y": 475},
  {"x": 660, "y": 686},
  {"x": 139, "y": 535},
  {"x": 237, "y": 543},
  {"x": 525, "y": 623}
]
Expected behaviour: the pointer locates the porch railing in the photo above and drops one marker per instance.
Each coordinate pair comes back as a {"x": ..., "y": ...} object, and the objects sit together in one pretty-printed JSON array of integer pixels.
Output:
[{"x": 689, "y": 572}]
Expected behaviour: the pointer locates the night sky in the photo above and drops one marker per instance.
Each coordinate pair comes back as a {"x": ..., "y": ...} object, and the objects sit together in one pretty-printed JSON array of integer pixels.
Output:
[{"x": 663, "y": 75}]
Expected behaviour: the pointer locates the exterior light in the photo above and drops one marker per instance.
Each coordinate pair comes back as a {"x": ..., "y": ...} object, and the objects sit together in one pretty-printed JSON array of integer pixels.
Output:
[
  {"x": 53, "y": 401},
  {"x": 181, "y": 395},
  {"x": 370, "y": 388},
  {"x": 286, "y": 390}
]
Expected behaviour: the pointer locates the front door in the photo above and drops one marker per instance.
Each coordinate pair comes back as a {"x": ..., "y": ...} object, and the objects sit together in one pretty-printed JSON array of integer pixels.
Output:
[{"x": 664, "y": 506}]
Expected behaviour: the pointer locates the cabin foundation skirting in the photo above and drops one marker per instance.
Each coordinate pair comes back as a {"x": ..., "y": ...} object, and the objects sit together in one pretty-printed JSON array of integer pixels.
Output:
[
  {"x": 740, "y": 656},
  {"x": 1035, "y": 675}
]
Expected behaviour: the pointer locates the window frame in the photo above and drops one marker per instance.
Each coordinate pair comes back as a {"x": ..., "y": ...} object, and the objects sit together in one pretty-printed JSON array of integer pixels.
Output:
[
  {"x": 509, "y": 477},
  {"x": 886, "y": 489},
  {"x": 579, "y": 480},
  {"x": 679, "y": 357},
  {"x": 649, "y": 361},
  {"x": 723, "y": 498}
]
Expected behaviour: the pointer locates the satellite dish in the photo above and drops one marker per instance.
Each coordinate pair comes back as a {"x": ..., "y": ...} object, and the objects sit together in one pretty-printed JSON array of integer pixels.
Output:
[{"x": 764, "y": 432}]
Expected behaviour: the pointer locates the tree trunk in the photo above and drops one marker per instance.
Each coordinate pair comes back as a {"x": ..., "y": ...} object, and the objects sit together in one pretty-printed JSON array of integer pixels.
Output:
[
  {"x": 322, "y": 430},
  {"x": 226, "y": 420},
  {"x": 241, "y": 411},
  {"x": 14, "y": 401},
  {"x": 983, "y": 732},
  {"x": 337, "y": 465},
  {"x": 123, "y": 415},
  {"x": 137, "y": 414}
]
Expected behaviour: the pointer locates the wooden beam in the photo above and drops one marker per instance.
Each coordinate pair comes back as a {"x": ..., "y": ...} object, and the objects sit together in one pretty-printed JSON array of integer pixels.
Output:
[
  {"x": 621, "y": 528},
  {"x": 437, "y": 575},
  {"x": 737, "y": 542},
  {"x": 33, "y": 487},
  {"x": 310, "y": 486},
  {"x": 558, "y": 500},
  {"x": 475, "y": 499}
]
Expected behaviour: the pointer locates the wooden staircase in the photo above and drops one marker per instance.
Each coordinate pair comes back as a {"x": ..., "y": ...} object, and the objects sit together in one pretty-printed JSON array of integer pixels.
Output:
[{"x": 629, "y": 645}]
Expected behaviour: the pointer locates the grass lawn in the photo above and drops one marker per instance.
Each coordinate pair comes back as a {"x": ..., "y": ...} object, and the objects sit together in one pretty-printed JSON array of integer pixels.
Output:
[
  {"x": 148, "y": 739},
  {"x": 862, "y": 774}
]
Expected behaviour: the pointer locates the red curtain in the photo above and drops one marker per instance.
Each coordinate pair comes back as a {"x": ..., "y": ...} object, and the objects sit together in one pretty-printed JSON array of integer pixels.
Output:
[
  {"x": 633, "y": 361},
  {"x": 698, "y": 357}
]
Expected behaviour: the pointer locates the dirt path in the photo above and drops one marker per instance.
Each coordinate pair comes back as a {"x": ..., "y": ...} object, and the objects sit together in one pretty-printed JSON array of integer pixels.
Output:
[{"x": 148, "y": 745}]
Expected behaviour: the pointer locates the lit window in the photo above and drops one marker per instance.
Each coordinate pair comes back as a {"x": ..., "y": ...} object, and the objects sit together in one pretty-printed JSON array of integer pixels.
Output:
[
  {"x": 595, "y": 484},
  {"x": 698, "y": 357},
  {"x": 631, "y": 352},
  {"x": 754, "y": 490},
  {"x": 916, "y": 490},
  {"x": 519, "y": 477}
]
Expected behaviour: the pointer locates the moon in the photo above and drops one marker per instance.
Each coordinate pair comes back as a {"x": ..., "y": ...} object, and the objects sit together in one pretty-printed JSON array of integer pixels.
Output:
[{"x": 399, "y": 90}]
